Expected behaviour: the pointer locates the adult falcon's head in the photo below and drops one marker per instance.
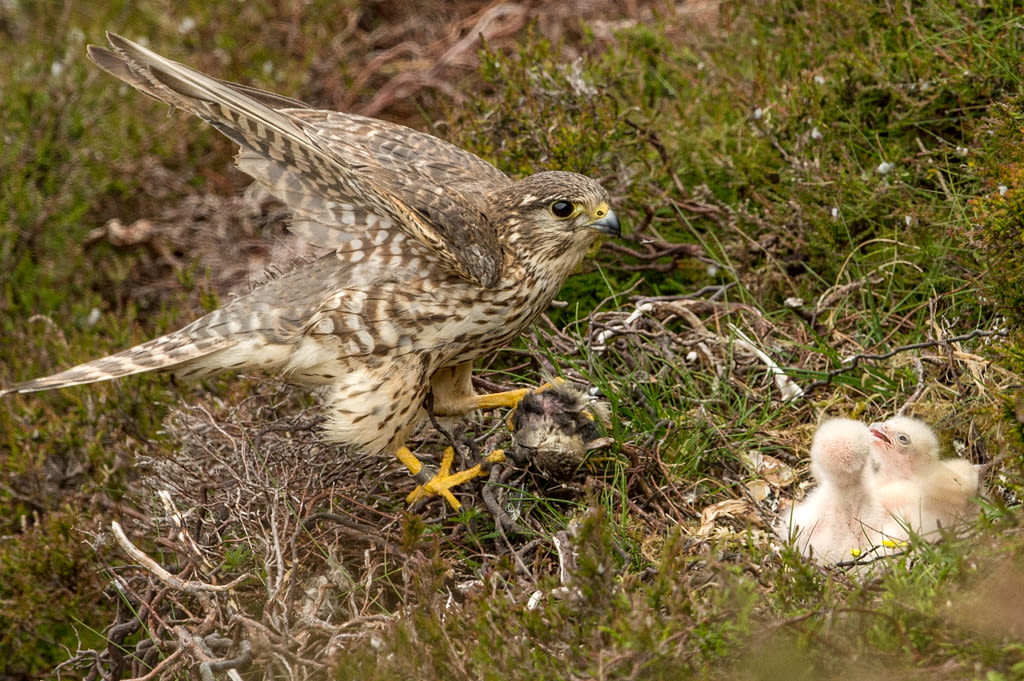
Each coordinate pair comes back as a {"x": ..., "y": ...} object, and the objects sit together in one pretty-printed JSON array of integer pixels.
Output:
[{"x": 549, "y": 220}]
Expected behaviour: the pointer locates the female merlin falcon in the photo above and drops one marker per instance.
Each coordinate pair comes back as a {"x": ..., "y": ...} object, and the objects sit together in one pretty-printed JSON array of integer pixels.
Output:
[{"x": 438, "y": 258}]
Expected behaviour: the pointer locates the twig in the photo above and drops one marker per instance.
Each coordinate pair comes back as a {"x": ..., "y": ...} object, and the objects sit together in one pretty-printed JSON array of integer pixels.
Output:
[
  {"x": 192, "y": 586},
  {"x": 851, "y": 363},
  {"x": 918, "y": 391},
  {"x": 601, "y": 339},
  {"x": 230, "y": 665},
  {"x": 874, "y": 555},
  {"x": 503, "y": 521},
  {"x": 276, "y": 544},
  {"x": 786, "y": 385},
  {"x": 566, "y": 559},
  {"x": 348, "y": 527},
  {"x": 159, "y": 668}
]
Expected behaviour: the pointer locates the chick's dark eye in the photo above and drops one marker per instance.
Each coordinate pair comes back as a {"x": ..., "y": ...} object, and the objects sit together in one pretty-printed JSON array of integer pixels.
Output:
[{"x": 562, "y": 209}]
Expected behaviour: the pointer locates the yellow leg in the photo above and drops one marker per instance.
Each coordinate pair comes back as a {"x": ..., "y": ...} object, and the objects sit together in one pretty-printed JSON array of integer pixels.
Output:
[
  {"x": 509, "y": 398},
  {"x": 443, "y": 481}
]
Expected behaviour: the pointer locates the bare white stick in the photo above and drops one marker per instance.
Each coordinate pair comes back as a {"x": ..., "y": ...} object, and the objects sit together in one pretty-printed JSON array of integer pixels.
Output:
[
  {"x": 163, "y": 575},
  {"x": 786, "y": 385},
  {"x": 602, "y": 338}
]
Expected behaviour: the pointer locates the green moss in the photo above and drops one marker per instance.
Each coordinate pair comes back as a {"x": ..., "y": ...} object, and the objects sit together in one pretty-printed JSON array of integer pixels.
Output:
[
  {"x": 998, "y": 213},
  {"x": 48, "y": 587}
]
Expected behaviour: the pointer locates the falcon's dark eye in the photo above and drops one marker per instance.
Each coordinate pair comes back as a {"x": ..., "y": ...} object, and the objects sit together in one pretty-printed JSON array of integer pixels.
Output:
[
  {"x": 562, "y": 209},
  {"x": 904, "y": 439}
]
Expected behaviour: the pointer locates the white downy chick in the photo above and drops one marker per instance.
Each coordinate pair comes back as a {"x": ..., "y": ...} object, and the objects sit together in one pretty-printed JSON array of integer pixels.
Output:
[
  {"x": 938, "y": 497},
  {"x": 841, "y": 517},
  {"x": 917, "y": 490}
]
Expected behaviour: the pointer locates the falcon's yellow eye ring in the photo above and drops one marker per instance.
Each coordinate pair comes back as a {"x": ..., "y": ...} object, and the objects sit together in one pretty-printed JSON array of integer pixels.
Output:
[{"x": 563, "y": 209}]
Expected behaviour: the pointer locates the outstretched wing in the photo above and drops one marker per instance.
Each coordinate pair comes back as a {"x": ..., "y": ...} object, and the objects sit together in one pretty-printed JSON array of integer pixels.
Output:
[{"x": 339, "y": 173}]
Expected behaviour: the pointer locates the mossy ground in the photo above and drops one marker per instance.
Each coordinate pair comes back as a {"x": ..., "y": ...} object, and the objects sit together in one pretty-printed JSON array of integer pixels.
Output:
[{"x": 819, "y": 180}]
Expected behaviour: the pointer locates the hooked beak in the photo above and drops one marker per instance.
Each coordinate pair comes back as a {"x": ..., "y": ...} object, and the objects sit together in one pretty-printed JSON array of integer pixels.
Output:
[{"x": 609, "y": 224}]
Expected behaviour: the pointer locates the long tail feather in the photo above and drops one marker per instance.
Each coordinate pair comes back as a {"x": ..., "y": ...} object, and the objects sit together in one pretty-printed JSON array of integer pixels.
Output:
[{"x": 166, "y": 352}]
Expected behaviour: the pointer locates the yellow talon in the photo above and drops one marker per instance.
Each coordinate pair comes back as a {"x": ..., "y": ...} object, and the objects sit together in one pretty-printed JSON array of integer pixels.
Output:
[{"x": 443, "y": 481}]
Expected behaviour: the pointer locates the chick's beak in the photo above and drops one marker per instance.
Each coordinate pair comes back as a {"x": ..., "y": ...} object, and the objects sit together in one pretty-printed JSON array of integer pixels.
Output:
[
  {"x": 878, "y": 431},
  {"x": 608, "y": 224}
]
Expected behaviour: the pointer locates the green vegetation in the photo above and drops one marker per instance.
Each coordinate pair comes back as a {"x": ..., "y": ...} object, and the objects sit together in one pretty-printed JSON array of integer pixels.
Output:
[{"x": 814, "y": 180}]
